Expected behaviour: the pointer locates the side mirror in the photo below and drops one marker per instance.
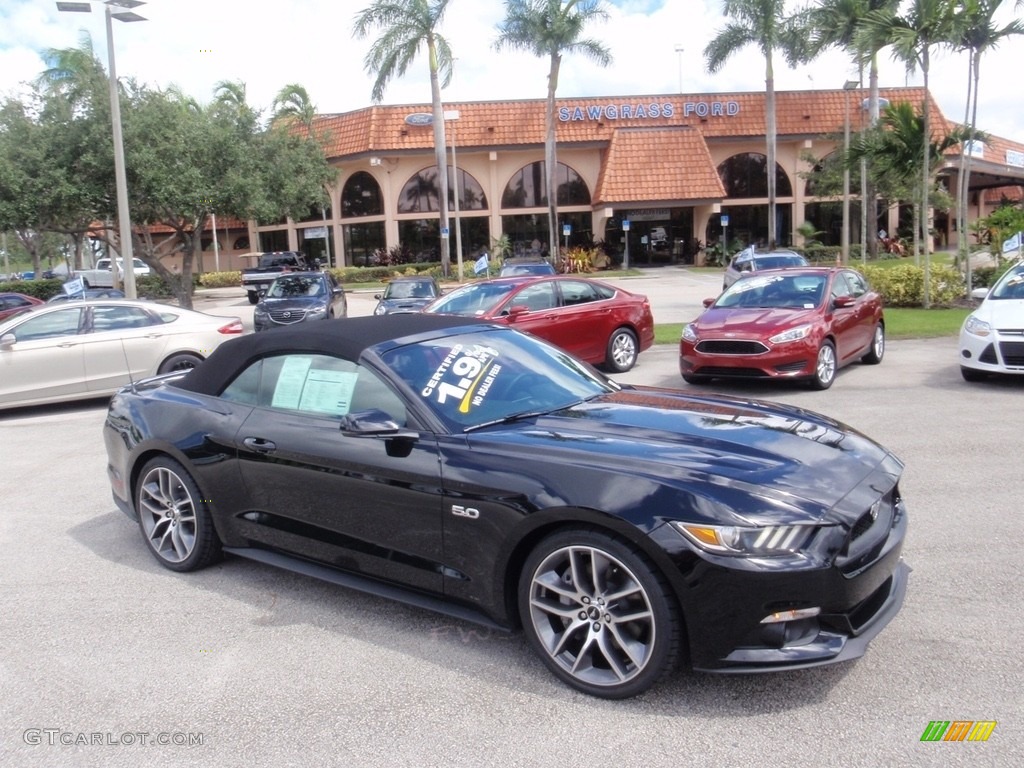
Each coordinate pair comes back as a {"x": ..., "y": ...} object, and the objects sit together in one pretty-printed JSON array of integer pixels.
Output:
[
  {"x": 518, "y": 311},
  {"x": 843, "y": 301},
  {"x": 707, "y": 303},
  {"x": 377, "y": 296},
  {"x": 372, "y": 423},
  {"x": 7, "y": 340}
]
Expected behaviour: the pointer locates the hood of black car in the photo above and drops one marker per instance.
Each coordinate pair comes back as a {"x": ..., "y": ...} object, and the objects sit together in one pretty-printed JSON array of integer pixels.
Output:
[
  {"x": 299, "y": 303},
  {"x": 750, "y": 456},
  {"x": 404, "y": 305}
]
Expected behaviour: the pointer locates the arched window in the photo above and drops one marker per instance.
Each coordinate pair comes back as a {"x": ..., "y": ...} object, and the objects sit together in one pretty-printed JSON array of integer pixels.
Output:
[
  {"x": 361, "y": 196},
  {"x": 745, "y": 175},
  {"x": 420, "y": 193},
  {"x": 241, "y": 243},
  {"x": 526, "y": 188}
]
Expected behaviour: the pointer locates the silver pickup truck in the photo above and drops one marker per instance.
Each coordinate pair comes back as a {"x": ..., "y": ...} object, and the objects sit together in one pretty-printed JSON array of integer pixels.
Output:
[{"x": 269, "y": 267}]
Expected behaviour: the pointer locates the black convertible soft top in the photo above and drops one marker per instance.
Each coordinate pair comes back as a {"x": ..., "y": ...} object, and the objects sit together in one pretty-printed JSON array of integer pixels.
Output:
[{"x": 345, "y": 338}]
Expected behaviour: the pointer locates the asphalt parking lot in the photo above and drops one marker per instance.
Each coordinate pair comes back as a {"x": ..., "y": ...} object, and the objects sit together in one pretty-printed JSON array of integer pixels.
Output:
[{"x": 106, "y": 654}]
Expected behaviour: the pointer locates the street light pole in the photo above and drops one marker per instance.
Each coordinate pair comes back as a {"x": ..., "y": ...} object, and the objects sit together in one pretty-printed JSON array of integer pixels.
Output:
[
  {"x": 679, "y": 52},
  {"x": 453, "y": 115},
  {"x": 120, "y": 178},
  {"x": 848, "y": 86}
]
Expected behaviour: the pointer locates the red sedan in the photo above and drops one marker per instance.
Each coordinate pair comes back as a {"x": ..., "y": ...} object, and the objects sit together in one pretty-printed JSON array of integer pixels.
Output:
[
  {"x": 13, "y": 303},
  {"x": 594, "y": 321},
  {"x": 802, "y": 323}
]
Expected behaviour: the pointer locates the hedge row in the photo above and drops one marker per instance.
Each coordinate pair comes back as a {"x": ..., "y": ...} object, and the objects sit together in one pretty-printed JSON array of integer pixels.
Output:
[{"x": 903, "y": 285}]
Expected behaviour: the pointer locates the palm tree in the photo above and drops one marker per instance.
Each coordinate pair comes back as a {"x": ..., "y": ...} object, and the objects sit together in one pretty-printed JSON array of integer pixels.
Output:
[
  {"x": 926, "y": 25},
  {"x": 552, "y": 28},
  {"x": 292, "y": 104},
  {"x": 977, "y": 34},
  {"x": 762, "y": 23},
  {"x": 406, "y": 27}
]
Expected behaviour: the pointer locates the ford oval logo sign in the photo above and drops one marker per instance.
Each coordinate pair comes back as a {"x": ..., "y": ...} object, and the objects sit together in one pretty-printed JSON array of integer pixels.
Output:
[{"x": 419, "y": 118}]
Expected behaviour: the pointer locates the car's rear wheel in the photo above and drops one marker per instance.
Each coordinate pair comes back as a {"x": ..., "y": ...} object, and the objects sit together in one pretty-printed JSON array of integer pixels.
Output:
[
  {"x": 599, "y": 614},
  {"x": 622, "y": 350},
  {"x": 174, "y": 518},
  {"x": 970, "y": 374},
  {"x": 877, "y": 351},
  {"x": 183, "y": 361},
  {"x": 254, "y": 298},
  {"x": 825, "y": 366}
]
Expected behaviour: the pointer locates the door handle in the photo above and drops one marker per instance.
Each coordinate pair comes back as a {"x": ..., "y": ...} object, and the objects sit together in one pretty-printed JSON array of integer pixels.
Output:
[{"x": 260, "y": 445}]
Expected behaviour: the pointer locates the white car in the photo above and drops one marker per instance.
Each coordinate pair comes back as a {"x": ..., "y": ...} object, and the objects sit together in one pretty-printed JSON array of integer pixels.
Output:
[
  {"x": 83, "y": 349},
  {"x": 992, "y": 336}
]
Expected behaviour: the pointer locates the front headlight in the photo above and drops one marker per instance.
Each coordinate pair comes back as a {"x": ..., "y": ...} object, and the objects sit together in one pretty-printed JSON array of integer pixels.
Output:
[
  {"x": 976, "y": 326},
  {"x": 764, "y": 541},
  {"x": 690, "y": 333},
  {"x": 793, "y": 334},
  {"x": 260, "y": 311},
  {"x": 318, "y": 309},
  {"x": 379, "y": 310}
]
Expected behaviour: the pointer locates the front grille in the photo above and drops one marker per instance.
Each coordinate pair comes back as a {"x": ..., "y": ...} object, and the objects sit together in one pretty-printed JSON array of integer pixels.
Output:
[
  {"x": 799, "y": 365},
  {"x": 869, "y": 532},
  {"x": 730, "y": 347},
  {"x": 1012, "y": 352},
  {"x": 286, "y": 316},
  {"x": 743, "y": 373}
]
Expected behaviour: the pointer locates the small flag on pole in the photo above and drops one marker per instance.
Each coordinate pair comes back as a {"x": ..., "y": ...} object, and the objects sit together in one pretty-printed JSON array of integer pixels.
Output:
[
  {"x": 74, "y": 287},
  {"x": 481, "y": 264}
]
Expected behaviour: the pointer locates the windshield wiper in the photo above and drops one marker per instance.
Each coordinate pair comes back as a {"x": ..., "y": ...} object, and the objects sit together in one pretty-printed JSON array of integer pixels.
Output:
[{"x": 512, "y": 418}]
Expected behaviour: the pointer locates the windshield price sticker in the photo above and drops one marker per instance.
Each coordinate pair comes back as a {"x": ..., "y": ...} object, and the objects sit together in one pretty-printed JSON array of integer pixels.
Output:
[{"x": 465, "y": 375}]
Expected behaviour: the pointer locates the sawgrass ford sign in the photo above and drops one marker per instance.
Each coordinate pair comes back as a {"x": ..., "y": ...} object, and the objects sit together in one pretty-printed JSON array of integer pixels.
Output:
[{"x": 648, "y": 111}]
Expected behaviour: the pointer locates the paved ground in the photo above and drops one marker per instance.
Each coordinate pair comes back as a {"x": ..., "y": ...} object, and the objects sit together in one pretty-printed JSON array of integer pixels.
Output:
[{"x": 276, "y": 669}]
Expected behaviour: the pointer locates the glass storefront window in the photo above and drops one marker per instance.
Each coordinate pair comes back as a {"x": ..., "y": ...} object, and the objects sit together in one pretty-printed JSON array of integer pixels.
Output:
[
  {"x": 526, "y": 188},
  {"x": 361, "y": 240},
  {"x": 745, "y": 175},
  {"x": 421, "y": 194},
  {"x": 361, "y": 196}
]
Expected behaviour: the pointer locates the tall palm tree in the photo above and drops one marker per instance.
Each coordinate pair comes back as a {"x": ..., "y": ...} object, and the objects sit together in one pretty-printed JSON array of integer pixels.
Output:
[
  {"x": 292, "y": 104},
  {"x": 977, "y": 33},
  {"x": 405, "y": 27},
  {"x": 926, "y": 25},
  {"x": 762, "y": 23},
  {"x": 552, "y": 28}
]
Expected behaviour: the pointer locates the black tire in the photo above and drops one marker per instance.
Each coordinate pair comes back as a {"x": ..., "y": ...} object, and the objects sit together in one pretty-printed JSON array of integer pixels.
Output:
[
  {"x": 622, "y": 350},
  {"x": 85, "y": 283},
  {"x": 972, "y": 375},
  {"x": 174, "y": 517},
  {"x": 696, "y": 379},
  {"x": 254, "y": 298},
  {"x": 183, "y": 361},
  {"x": 568, "y": 622},
  {"x": 877, "y": 351},
  {"x": 825, "y": 366}
]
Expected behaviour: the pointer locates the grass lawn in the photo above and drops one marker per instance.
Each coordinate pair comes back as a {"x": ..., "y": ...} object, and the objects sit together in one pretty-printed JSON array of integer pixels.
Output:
[{"x": 900, "y": 323}]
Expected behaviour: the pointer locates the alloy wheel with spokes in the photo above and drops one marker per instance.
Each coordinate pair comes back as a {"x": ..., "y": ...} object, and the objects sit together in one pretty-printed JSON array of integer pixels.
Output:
[
  {"x": 622, "y": 350},
  {"x": 173, "y": 517},
  {"x": 598, "y": 614},
  {"x": 825, "y": 366}
]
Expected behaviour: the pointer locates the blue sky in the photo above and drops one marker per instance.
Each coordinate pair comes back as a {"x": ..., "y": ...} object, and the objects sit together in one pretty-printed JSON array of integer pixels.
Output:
[{"x": 196, "y": 43}]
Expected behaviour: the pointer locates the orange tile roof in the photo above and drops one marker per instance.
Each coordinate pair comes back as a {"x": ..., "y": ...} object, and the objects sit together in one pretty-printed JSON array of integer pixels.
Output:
[
  {"x": 657, "y": 164},
  {"x": 494, "y": 124}
]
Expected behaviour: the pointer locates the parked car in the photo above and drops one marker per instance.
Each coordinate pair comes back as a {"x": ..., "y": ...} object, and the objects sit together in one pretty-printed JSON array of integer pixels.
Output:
[
  {"x": 466, "y": 468},
  {"x": 517, "y": 266},
  {"x": 89, "y": 348},
  {"x": 88, "y": 293},
  {"x": 406, "y": 294},
  {"x": 749, "y": 260},
  {"x": 592, "y": 320},
  {"x": 991, "y": 339},
  {"x": 785, "y": 324},
  {"x": 300, "y": 297},
  {"x": 13, "y": 303}
]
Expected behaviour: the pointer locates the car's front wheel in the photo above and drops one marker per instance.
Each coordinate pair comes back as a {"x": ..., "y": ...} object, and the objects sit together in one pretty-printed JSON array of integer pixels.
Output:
[
  {"x": 254, "y": 298},
  {"x": 599, "y": 614},
  {"x": 622, "y": 350},
  {"x": 877, "y": 351},
  {"x": 825, "y": 366},
  {"x": 174, "y": 518},
  {"x": 970, "y": 374}
]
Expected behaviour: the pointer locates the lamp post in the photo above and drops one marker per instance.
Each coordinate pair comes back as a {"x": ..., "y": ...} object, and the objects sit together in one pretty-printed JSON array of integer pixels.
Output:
[
  {"x": 848, "y": 86},
  {"x": 121, "y": 181},
  {"x": 679, "y": 52}
]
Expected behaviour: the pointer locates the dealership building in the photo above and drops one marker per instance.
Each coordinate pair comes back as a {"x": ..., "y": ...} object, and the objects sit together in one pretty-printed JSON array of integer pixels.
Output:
[{"x": 669, "y": 173}]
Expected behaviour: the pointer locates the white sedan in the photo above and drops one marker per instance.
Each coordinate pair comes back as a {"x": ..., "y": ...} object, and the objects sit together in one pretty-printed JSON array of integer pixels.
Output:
[
  {"x": 83, "y": 349},
  {"x": 992, "y": 337}
]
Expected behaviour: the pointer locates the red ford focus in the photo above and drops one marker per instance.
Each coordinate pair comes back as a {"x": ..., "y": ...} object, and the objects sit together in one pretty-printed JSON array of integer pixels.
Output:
[
  {"x": 802, "y": 323},
  {"x": 594, "y": 321}
]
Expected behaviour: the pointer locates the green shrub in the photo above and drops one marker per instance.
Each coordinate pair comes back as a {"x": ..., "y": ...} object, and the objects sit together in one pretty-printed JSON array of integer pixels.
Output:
[
  {"x": 220, "y": 279},
  {"x": 40, "y": 289},
  {"x": 903, "y": 285},
  {"x": 152, "y": 286}
]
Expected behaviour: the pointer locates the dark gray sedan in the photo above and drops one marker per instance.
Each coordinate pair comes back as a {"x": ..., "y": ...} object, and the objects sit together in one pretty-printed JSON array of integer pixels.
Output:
[
  {"x": 406, "y": 294},
  {"x": 298, "y": 297}
]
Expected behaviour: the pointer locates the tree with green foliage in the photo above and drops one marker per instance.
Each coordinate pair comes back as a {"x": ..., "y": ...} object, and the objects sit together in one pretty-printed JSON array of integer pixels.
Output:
[
  {"x": 293, "y": 105},
  {"x": 405, "y": 27},
  {"x": 552, "y": 28},
  {"x": 765, "y": 24}
]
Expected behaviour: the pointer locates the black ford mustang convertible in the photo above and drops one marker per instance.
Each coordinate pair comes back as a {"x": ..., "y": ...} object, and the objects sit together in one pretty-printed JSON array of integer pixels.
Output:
[{"x": 474, "y": 470}]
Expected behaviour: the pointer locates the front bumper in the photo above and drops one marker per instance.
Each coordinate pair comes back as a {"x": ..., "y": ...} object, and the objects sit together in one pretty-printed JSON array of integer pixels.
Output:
[
  {"x": 784, "y": 361},
  {"x": 999, "y": 352}
]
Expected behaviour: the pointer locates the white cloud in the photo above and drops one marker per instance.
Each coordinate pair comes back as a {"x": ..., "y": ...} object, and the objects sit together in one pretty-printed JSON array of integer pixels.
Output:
[{"x": 196, "y": 43}]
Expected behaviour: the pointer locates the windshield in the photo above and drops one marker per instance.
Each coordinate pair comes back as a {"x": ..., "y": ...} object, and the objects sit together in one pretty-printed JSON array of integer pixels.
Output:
[
  {"x": 1010, "y": 285},
  {"x": 473, "y": 379},
  {"x": 409, "y": 290},
  {"x": 779, "y": 261},
  {"x": 473, "y": 299},
  {"x": 775, "y": 291},
  {"x": 296, "y": 286}
]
